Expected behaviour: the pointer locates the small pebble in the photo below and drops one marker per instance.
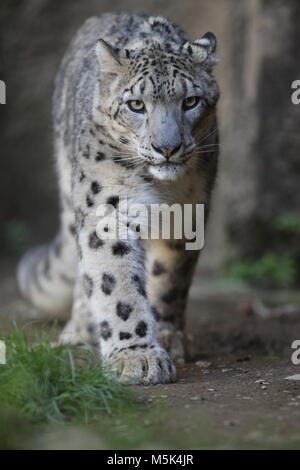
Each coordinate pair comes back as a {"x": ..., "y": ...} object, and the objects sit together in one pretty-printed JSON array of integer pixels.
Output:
[
  {"x": 203, "y": 364},
  {"x": 263, "y": 383}
]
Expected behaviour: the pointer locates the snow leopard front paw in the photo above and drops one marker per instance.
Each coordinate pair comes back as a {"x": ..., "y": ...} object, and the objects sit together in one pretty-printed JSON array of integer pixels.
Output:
[{"x": 142, "y": 366}]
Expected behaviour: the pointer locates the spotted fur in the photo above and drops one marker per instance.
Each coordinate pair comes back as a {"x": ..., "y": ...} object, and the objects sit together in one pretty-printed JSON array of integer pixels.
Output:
[{"x": 128, "y": 296}]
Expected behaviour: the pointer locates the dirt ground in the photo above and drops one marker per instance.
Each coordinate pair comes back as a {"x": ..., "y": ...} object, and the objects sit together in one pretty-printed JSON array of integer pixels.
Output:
[
  {"x": 234, "y": 385},
  {"x": 242, "y": 405}
]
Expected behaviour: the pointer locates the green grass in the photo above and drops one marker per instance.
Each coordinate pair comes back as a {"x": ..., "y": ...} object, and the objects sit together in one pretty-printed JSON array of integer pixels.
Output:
[
  {"x": 270, "y": 269},
  {"x": 63, "y": 398},
  {"x": 58, "y": 385},
  {"x": 276, "y": 262},
  {"x": 288, "y": 223}
]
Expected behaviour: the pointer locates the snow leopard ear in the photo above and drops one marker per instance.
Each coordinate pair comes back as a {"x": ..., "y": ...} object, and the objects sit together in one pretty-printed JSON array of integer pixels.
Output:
[
  {"x": 202, "y": 50},
  {"x": 108, "y": 57}
]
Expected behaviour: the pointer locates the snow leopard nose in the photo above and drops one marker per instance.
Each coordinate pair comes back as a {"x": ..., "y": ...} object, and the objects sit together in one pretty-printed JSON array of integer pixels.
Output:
[{"x": 167, "y": 152}]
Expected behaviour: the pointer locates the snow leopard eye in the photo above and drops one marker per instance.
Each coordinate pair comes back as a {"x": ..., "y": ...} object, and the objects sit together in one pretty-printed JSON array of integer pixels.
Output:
[
  {"x": 137, "y": 106},
  {"x": 190, "y": 102}
]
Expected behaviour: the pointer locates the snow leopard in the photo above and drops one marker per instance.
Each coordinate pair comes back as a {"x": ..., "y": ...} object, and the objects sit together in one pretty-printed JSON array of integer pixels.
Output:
[{"x": 135, "y": 118}]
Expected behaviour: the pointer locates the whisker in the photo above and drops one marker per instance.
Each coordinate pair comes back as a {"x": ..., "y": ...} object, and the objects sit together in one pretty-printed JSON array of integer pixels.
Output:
[
  {"x": 210, "y": 134},
  {"x": 211, "y": 145},
  {"x": 208, "y": 147},
  {"x": 124, "y": 155},
  {"x": 206, "y": 151},
  {"x": 127, "y": 158}
]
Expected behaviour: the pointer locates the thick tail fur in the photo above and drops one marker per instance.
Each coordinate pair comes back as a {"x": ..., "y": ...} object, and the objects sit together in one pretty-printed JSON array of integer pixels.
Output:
[{"x": 46, "y": 277}]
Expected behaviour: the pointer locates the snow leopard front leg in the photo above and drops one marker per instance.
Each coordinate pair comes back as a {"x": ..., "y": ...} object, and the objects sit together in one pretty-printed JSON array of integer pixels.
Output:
[
  {"x": 170, "y": 270},
  {"x": 124, "y": 326},
  {"x": 112, "y": 277}
]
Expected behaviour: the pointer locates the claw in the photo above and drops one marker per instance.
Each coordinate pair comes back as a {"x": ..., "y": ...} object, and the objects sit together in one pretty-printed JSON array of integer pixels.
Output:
[{"x": 143, "y": 367}]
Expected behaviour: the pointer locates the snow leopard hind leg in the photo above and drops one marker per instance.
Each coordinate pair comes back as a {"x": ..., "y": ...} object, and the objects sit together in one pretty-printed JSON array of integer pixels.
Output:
[{"x": 170, "y": 270}]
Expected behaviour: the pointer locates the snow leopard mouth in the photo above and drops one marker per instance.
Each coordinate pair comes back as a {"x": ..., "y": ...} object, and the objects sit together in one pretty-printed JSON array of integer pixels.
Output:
[
  {"x": 167, "y": 164},
  {"x": 166, "y": 170}
]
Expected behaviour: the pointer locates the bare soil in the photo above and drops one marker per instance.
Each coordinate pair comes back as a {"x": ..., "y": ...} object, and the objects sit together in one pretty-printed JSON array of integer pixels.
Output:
[{"x": 240, "y": 405}]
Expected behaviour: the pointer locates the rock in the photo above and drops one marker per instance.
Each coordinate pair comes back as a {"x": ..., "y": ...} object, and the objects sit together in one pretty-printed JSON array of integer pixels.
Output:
[
  {"x": 195, "y": 398},
  {"x": 203, "y": 364}
]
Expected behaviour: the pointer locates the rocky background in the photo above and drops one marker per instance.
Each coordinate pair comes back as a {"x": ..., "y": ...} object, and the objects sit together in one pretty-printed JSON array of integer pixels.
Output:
[{"x": 254, "y": 229}]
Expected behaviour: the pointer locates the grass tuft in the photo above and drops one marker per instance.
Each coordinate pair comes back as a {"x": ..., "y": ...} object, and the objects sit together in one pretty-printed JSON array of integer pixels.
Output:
[{"x": 57, "y": 385}]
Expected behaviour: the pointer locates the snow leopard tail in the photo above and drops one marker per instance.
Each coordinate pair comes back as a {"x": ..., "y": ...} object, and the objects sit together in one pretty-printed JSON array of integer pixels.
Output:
[{"x": 46, "y": 275}]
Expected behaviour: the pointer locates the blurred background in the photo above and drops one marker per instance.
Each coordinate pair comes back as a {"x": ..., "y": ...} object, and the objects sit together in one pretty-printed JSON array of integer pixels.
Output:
[
  {"x": 244, "y": 310},
  {"x": 255, "y": 224}
]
